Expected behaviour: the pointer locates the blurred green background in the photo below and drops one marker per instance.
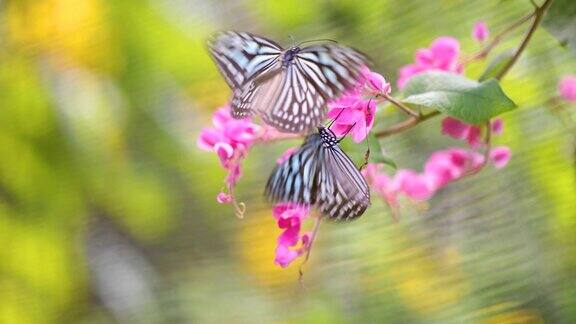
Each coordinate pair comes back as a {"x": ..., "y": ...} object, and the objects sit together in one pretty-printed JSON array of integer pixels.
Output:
[{"x": 108, "y": 210}]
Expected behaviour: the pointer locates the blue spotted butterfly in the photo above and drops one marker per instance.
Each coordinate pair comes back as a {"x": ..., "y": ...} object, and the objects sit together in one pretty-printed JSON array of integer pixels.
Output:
[
  {"x": 319, "y": 173},
  {"x": 288, "y": 88}
]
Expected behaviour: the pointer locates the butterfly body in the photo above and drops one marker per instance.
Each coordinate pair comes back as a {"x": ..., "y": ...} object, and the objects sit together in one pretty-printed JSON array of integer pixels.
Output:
[
  {"x": 319, "y": 173},
  {"x": 289, "y": 55},
  {"x": 287, "y": 88}
]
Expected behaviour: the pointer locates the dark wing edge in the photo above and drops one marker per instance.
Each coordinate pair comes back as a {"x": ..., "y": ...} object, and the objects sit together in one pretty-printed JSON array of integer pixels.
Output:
[
  {"x": 344, "y": 193},
  {"x": 241, "y": 58}
]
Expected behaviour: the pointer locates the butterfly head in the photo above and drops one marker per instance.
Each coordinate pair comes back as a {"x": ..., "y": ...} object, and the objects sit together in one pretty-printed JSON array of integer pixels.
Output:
[
  {"x": 289, "y": 55},
  {"x": 328, "y": 137}
]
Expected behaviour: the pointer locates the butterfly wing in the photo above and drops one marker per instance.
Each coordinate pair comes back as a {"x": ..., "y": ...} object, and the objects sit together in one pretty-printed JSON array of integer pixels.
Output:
[
  {"x": 332, "y": 68},
  {"x": 290, "y": 98},
  {"x": 259, "y": 92},
  {"x": 343, "y": 193},
  {"x": 294, "y": 99},
  {"x": 295, "y": 180},
  {"x": 321, "y": 176},
  {"x": 241, "y": 56}
]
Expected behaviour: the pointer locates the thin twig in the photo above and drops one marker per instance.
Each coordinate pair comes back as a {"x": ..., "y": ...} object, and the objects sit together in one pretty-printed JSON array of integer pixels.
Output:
[
  {"x": 487, "y": 149},
  {"x": 539, "y": 14},
  {"x": 498, "y": 38},
  {"x": 405, "y": 124},
  {"x": 400, "y": 105}
]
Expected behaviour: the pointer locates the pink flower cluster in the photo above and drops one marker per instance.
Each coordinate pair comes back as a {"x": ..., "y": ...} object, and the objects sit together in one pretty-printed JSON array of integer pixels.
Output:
[
  {"x": 441, "y": 168},
  {"x": 473, "y": 135},
  {"x": 230, "y": 139},
  {"x": 352, "y": 111},
  {"x": 443, "y": 54},
  {"x": 470, "y": 133},
  {"x": 291, "y": 244}
]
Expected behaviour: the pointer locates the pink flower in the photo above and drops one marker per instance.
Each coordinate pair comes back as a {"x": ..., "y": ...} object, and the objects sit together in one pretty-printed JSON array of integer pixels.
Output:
[
  {"x": 224, "y": 198},
  {"x": 357, "y": 118},
  {"x": 470, "y": 133},
  {"x": 352, "y": 112},
  {"x": 230, "y": 139},
  {"x": 289, "y": 218},
  {"x": 497, "y": 125},
  {"x": 500, "y": 156},
  {"x": 445, "y": 166},
  {"x": 381, "y": 183},
  {"x": 414, "y": 185},
  {"x": 442, "y": 55},
  {"x": 567, "y": 88},
  {"x": 460, "y": 130},
  {"x": 227, "y": 130},
  {"x": 480, "y": 31},
  {"x": 372, "y": 82},
  {"x": 441, "y": 168}
]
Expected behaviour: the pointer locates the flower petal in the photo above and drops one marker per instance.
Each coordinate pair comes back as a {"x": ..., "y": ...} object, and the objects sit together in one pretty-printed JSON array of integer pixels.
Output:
[
  {"x": 208, "y": 138},
  {"x": 454, "y": 128},
  {"x": 480, "y": 31},
  {"x": 223, "y": 198},
  {"x": 414, "y": 185},
  {"x": 445, "y": 51},
  {"x": 221, "y": 117},
  {"x": 474, "y": 136},
  {"x": 567, "y": 88},
  {"x": 500, "y": 156},
  {"x": 497, "y": 126},
  {"x": 290, "y": 236},
  {"x": 284, "y": 256}
]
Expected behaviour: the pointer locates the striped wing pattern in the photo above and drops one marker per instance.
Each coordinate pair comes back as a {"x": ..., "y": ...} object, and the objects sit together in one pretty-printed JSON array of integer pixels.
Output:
[
  {"x": 321, "y": 175},
  {"x": 240, "y": 56},
  {"x": 294, "y": 180},
  {"x": 289, "y": 95}
]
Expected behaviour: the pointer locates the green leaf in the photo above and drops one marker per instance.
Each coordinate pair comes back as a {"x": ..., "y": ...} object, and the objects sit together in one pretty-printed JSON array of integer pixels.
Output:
[
  {"x": 457, "y": 96},
  {"x": 437, "y": 81},
  {"x": 496, "y": 65}
]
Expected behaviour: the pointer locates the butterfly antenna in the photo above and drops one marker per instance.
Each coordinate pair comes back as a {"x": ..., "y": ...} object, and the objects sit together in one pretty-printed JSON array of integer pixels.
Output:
[
  {"x": 292, "y": 39},
  {"x": 333, "y": 120},
  {"x": 318, "y": 40},
  {"x": 348, "y": 131}
]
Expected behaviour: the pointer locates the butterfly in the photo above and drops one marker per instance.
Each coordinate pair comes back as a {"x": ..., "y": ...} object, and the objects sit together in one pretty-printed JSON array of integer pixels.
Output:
[
  {"x": 319, "y": 173},
  {"x": 288, "y": 88}
]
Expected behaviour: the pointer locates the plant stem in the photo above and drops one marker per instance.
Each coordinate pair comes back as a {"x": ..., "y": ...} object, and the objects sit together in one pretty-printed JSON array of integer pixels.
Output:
[
  {"x": 400, "y": 105},
  {"x": 537, "y": 14},
  {"x": 406, "y": 124}
]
